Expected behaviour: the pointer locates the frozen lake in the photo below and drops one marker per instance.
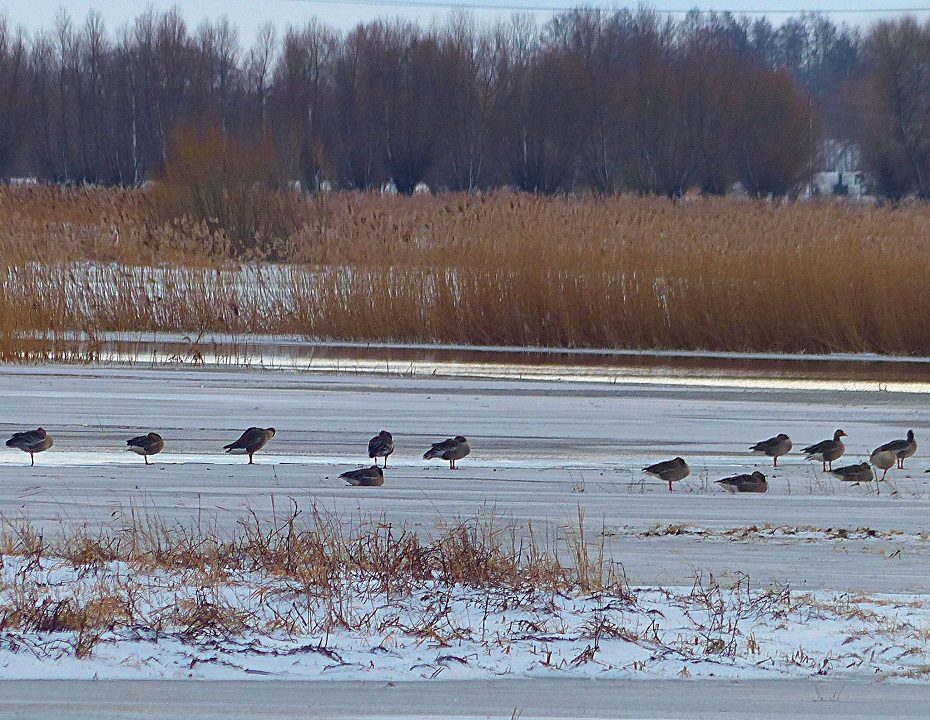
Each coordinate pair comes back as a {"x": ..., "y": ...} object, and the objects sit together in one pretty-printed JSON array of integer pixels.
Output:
[{"x": 541, "y": 450}]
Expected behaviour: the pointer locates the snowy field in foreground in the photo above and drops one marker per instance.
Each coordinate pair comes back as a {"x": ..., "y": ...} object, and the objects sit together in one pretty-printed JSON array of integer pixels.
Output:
[
  {"x": 541, "y": 452},
  {"x": 181, "y": 628}
]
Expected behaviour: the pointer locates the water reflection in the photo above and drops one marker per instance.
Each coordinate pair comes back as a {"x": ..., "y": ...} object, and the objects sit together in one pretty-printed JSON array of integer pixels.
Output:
[{"x": 840, "y": 372}]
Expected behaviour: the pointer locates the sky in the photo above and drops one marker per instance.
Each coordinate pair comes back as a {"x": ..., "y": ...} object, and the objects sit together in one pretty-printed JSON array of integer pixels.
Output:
[{"x": 249, "y": 15}]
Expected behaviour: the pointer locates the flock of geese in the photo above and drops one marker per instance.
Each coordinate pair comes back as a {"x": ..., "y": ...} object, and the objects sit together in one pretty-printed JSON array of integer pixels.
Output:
[
  {"x": 884, "y": 457},
  {"x": 254, "y": 439}
]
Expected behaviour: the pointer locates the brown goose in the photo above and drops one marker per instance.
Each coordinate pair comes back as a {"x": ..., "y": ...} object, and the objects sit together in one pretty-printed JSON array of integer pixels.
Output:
[
  {"x": 146, "y": 445},
  {"x": 250, "y": 442},
  {"x": 32, "y": 442},
  {"x": 827, "y": 451},
  {"x": 861, "y": 473},
  {"x": 669, "y": 470},
  {"x": 774, "y": 447},
  {"x": 451, "y": 449},
  {"x": 902, "y": 448},
  {"x": 755, "y": 483},
  {"x": 883, "y": 459},
  {"x": 381, "y": 445},
  {"x": 365, "y": 477}
]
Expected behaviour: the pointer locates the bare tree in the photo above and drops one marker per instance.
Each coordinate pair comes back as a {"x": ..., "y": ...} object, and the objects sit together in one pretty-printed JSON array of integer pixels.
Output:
[
  {"x": 897, "y": 131},
  {"x": 15, "y": 107}
]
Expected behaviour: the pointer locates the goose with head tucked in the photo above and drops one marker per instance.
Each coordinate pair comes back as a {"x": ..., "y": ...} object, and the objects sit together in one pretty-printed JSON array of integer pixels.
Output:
[
  {"x": 146, "y": 445},
  {"x": 451, "y": 449},
  {"x": 858, "y": 473},
  {"x": 365, "y": 477},
  {"x": 32, "y": 442},
  {"x": 381, "y": 445},
  {"x": 669, "y": 470},
  {"x": 884, "y": 460},
  {"x": 747, "y": 483},
  {"x": 774, "y": 447},
  {"x": 250, "y": 442}
]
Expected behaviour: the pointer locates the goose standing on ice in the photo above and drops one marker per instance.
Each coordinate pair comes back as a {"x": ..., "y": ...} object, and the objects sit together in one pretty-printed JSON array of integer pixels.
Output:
[
  {"x": 774, "y": 447},
  {"x": 883, "y": 459},
  {"x": 146, "y": 445},
  {"x": 450, "y": 449},
  {"x": 250, "y": 442},
  {"x": 381, "y": 445},
  {"x": 755, "y": 483},
  {"x": 827, "y": 451},
  {"x": 902, "y": 449},
  {"x": 32, "y": 442},
  {"x": 365, "y": 477},
  {"x": 669, "y": 470}
]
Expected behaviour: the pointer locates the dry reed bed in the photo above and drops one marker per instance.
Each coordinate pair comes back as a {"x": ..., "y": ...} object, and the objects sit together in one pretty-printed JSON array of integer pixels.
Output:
[{"x": 716, "y": 274}]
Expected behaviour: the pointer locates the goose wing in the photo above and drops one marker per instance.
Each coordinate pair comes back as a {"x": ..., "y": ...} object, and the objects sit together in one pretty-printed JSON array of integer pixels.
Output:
[
  {"x": 822, "y": 446},
  {"x": 25, "y": 439},
  {"x": 249, "y": 437},
  {"x": 895, "y": 446}
]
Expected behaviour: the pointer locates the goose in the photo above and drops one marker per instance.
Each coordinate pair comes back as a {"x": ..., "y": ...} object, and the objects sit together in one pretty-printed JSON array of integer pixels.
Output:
[
  {"x": 902, "y": 448},
  {"x": 774, "y": 447},
  {"x": 755, "y": 483},
  {"x": 32, "y": 442},
  {"x": 146, "y": 445},
  {"x": 451, "y": 449},
  {"x": 669, "y": 470},
  {"x": 855, "y": 473},
  {"x": 883, "y": 459},
  {"x": 250, "y": 442},
  {"x": 365, "y": 477},
  {"x": 827, "y": 450},
  {"x": 381, "y": 445}
]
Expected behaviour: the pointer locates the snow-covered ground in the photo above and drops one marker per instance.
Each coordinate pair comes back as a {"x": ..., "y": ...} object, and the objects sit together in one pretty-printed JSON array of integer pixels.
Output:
[
  {"x": 174, "y": 625},
  {"x": 855, "y": 562}
]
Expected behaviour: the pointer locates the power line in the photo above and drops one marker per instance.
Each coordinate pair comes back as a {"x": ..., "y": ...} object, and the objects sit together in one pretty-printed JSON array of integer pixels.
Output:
[{"x": 452, "y": 5}]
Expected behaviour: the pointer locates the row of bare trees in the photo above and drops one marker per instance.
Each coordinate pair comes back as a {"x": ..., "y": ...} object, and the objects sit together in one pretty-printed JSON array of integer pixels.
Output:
[{"x": 611, "y": 101}]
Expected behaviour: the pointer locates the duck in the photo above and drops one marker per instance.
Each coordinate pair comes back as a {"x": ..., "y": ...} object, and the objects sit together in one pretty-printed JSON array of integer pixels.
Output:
[
  {"x": 381, "y": 445},
  {"x": 250, "y": 442},
  {"x": 827, "y": 450},
  {"x": 669, "y": 470},
  {"x": 365, "y": 477},
  {"x": 774, "y": 447},
  {"x": 754, "y": 483},
  {"x": 146, "y": 445},
  {"x": 883, "y": 459},
  {"x": 32, "y": 442},
  {"x": 450, "y": 449},
  {"x": 903, "y": 449},
  {"x": 861, "y": 473}
]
